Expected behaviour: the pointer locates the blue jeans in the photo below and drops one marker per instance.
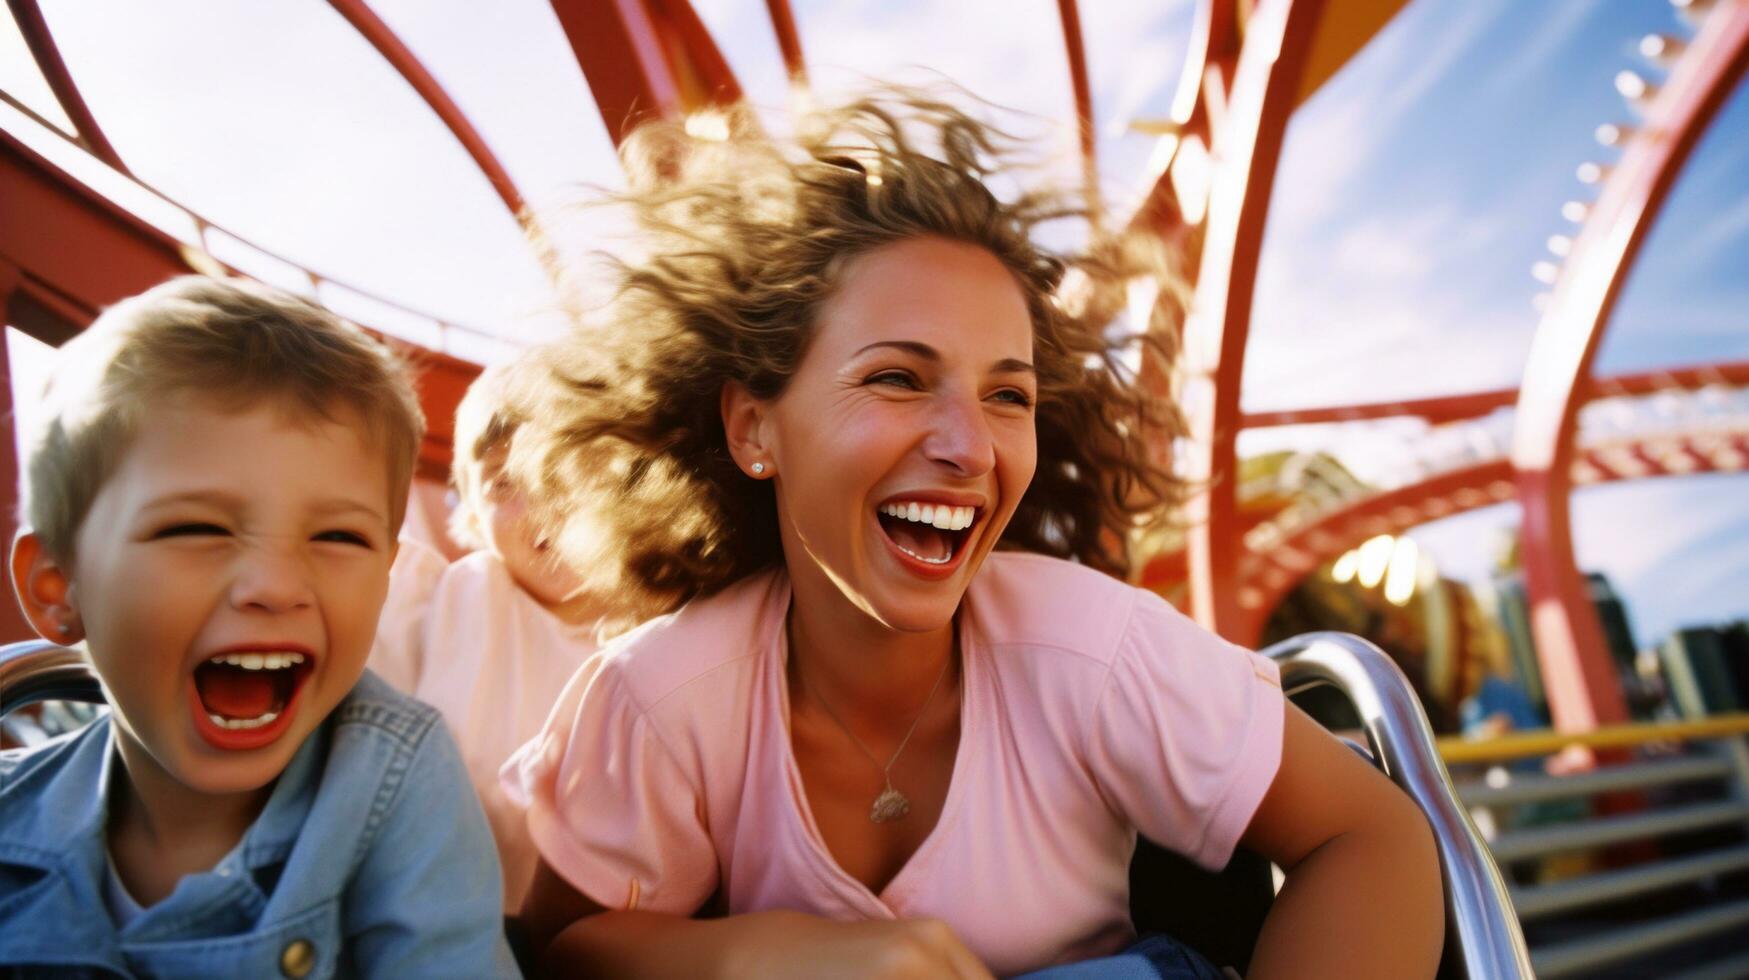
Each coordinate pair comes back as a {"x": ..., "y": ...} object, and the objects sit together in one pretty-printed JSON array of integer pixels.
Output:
[{"x": 1156, "y": 957}]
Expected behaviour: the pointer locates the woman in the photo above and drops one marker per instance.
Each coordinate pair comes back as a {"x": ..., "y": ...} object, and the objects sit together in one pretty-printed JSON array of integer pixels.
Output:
[{"x": 881, "y": 747}]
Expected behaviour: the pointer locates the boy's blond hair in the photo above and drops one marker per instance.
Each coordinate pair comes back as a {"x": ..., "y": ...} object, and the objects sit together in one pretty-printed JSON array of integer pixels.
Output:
[{"x": 230, "y": 339}]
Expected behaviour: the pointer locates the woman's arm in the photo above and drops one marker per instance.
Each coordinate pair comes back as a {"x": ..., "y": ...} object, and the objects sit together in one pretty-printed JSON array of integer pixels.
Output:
[
  {"x": 1363, "y": 896},
  {"x": 580, "y": 938}
]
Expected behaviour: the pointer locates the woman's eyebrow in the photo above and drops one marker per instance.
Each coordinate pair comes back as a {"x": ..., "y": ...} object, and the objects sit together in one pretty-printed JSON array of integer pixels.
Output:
[
  {"x": 1008, "y": 365},
  {"x": 916, "y": 347}
]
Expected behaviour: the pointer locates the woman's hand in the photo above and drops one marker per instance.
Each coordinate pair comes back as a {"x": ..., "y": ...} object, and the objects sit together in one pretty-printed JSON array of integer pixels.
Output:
[
  {"x": 792, "y": 944},
  {"x": 573, "y": 936}
]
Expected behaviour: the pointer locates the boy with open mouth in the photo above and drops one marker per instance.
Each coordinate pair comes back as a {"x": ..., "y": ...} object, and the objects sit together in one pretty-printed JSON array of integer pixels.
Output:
[{"x": 212, "y": 497}]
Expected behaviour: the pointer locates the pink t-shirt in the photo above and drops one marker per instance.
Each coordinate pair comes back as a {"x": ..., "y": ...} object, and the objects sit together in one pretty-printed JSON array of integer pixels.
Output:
[
  {"x": 1090, "y": 710},
  {"x": 492, "y": 659}
]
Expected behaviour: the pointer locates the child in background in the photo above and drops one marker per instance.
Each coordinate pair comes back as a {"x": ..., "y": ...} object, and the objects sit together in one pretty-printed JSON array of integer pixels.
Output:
[
  {"x": 212, "y": 500},
  {"x": 494, "y": 637}
]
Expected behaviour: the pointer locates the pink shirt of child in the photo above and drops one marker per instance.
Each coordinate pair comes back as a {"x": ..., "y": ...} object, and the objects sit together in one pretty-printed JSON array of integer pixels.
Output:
[
  {"x": 1090, "y": 710},
  {"x": 492, "y": 660}
]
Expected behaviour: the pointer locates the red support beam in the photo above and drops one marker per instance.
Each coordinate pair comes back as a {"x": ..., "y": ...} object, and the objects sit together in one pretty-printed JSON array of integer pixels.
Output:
[
  {"x": 73, "y": 245},
  {"x": 645, "y": 59},
  {"x": 1248, "y": 145},
  {"x": 789, "y": 41},
  {"x": 1070, "y": 15},
  {"x": 390, "y": 46},
  {"x": 1584, "y": 691},
  {"x": 13, "y": 626},
  {"x": 48, "y": 60}
]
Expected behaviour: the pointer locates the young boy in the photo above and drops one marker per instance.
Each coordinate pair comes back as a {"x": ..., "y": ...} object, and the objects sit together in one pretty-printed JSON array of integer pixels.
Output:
[
  {"x": 211, "y": 506},
  {"x": 492, "y": 639}
]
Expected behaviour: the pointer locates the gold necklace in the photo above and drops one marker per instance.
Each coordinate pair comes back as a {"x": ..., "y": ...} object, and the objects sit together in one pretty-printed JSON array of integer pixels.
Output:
[{"x": 891, "y": 804}]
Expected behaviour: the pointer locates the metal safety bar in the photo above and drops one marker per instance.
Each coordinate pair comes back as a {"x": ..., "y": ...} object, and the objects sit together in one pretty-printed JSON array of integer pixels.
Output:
[
  {"x": 1482, "y": 930},
  {"x": 37, "y": 670}
]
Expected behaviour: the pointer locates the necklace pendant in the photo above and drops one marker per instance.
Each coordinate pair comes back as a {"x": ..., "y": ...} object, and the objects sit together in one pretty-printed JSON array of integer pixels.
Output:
[{"x": 889, "y": 806}]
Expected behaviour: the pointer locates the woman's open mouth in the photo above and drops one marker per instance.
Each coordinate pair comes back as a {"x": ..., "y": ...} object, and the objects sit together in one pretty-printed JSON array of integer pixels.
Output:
[
  {"x": 933, "y": 535},
  {"x": 244, "y": 700}
]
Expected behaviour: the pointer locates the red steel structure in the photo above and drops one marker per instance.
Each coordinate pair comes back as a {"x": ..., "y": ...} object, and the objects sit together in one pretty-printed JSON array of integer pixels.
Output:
[
  {"x": 1577, "y": 672},
  {"x": 1251, "y": 63}
]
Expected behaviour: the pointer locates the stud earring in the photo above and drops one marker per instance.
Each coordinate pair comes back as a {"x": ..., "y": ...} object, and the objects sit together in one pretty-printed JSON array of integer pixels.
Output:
[
  {"x": 65, "y": 629},
  {"x": 758, "y": 468}
]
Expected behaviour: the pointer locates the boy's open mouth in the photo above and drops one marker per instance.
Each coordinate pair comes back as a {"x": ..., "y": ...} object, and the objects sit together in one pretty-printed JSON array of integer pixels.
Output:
[
  {"x": 931, "y": 533},
  {"x": 246, "y": 691}
]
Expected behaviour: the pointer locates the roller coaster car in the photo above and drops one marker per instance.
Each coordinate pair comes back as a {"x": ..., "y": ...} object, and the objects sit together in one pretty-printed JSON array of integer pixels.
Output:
[{"x": 1218, "y": 913}]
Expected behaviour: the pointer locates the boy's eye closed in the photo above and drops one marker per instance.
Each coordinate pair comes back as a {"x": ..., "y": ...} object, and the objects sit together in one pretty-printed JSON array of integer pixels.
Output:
[
  {"x": 345, "y": 537},
  {"x": 191, "y": 530}
]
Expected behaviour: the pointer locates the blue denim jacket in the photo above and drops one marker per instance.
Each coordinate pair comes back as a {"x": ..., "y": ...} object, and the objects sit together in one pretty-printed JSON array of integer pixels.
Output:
[{"x": 372, "y": 852}]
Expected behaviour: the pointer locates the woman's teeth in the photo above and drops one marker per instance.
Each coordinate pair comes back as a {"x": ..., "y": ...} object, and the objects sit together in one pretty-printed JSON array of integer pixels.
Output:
[{"x": 937, "y": 515}]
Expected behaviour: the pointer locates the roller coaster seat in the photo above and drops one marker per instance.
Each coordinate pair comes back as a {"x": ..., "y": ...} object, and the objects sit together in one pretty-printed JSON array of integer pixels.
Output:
[{"x": 1221, "y": 913}]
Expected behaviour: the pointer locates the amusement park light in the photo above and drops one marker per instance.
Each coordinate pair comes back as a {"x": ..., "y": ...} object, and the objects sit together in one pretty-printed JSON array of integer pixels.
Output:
[
  {"x": 1192, "y": 174},
  {"x": 1560, "y": 245},
  {"x": 1545, "y": 272},
  {"x": 1139, "y": 295},
  {"x": 1692, "y": 10},
  {"x": 1345, "y": 567},
  {"x": 1575, "y": 211},
  {"x": 1592, "y": 173},
  {"x": 1633, "y": 86},
  {"x": 1164, "y": 149},
  {"x": 709, "y": 126},
  {"x": 1400, "y": 577},
  {"x": 1612, "y": 134},
  {"x": 1660, "y": 49},
  {"x": 1375, "y": 560}
]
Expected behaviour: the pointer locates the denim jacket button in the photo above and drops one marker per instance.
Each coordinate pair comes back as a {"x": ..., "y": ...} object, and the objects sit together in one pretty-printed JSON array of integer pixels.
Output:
[{"x": 297, "y": 959}]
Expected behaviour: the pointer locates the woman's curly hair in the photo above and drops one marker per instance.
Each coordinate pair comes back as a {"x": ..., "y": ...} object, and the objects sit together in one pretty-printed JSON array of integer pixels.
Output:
[{"x": 746, "y": 238}]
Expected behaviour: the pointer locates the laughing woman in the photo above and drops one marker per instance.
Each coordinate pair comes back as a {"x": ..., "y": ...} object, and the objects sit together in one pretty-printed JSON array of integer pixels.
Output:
[{"x": 903, "y": 721}]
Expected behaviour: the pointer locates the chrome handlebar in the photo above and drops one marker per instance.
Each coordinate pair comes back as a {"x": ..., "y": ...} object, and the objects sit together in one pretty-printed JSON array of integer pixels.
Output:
[
  {"x": 37, "y": 670},
  {"x": 1479, "y": 915}
]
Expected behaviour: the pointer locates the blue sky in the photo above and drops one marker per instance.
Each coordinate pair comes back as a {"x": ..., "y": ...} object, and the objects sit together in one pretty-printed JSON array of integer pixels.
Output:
[{"x": 1415, "y": 191}]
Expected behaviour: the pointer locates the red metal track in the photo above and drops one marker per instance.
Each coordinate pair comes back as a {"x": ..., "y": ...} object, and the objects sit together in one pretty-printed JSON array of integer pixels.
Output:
[
  {"x": 48, "y": 60},
  {"x": 1580, "y": 677},
  {"x": 396, "y": 53},
  {"x": 1268, "y": 576},
  {"x": 1456, "y": 408},
  {"x": 71, "y": 250}
]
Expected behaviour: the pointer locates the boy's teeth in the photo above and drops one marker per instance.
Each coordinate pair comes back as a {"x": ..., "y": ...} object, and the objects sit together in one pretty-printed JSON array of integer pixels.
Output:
[
  {"x": 942, "y": 516},
  {"x": 259, "y": 661},
  {"x": 243, "y": 724}
]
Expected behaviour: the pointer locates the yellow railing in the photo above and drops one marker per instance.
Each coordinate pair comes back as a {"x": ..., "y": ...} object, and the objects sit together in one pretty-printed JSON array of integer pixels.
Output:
[{"x": 1519, "y": 745}]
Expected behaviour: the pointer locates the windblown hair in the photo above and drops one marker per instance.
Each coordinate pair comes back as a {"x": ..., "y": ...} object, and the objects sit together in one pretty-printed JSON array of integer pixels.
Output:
[
  {"x": 488, "y": 417},
  {"x": 746, "y": 237},
  {"x": 232, "y": 340}
]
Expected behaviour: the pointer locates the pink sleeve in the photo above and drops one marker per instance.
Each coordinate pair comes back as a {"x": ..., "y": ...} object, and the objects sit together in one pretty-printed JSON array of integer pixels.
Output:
[
  {"x": 1186, "y": 736},
  {"x": 398, "y": 655},
  {"x": 608, "y": 807}
]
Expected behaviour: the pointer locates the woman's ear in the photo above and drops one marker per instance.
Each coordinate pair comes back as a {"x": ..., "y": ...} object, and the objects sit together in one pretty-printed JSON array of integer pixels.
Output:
[
  {"x": 45, "y": 591},
  {"x": 744, "y": 418}
]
